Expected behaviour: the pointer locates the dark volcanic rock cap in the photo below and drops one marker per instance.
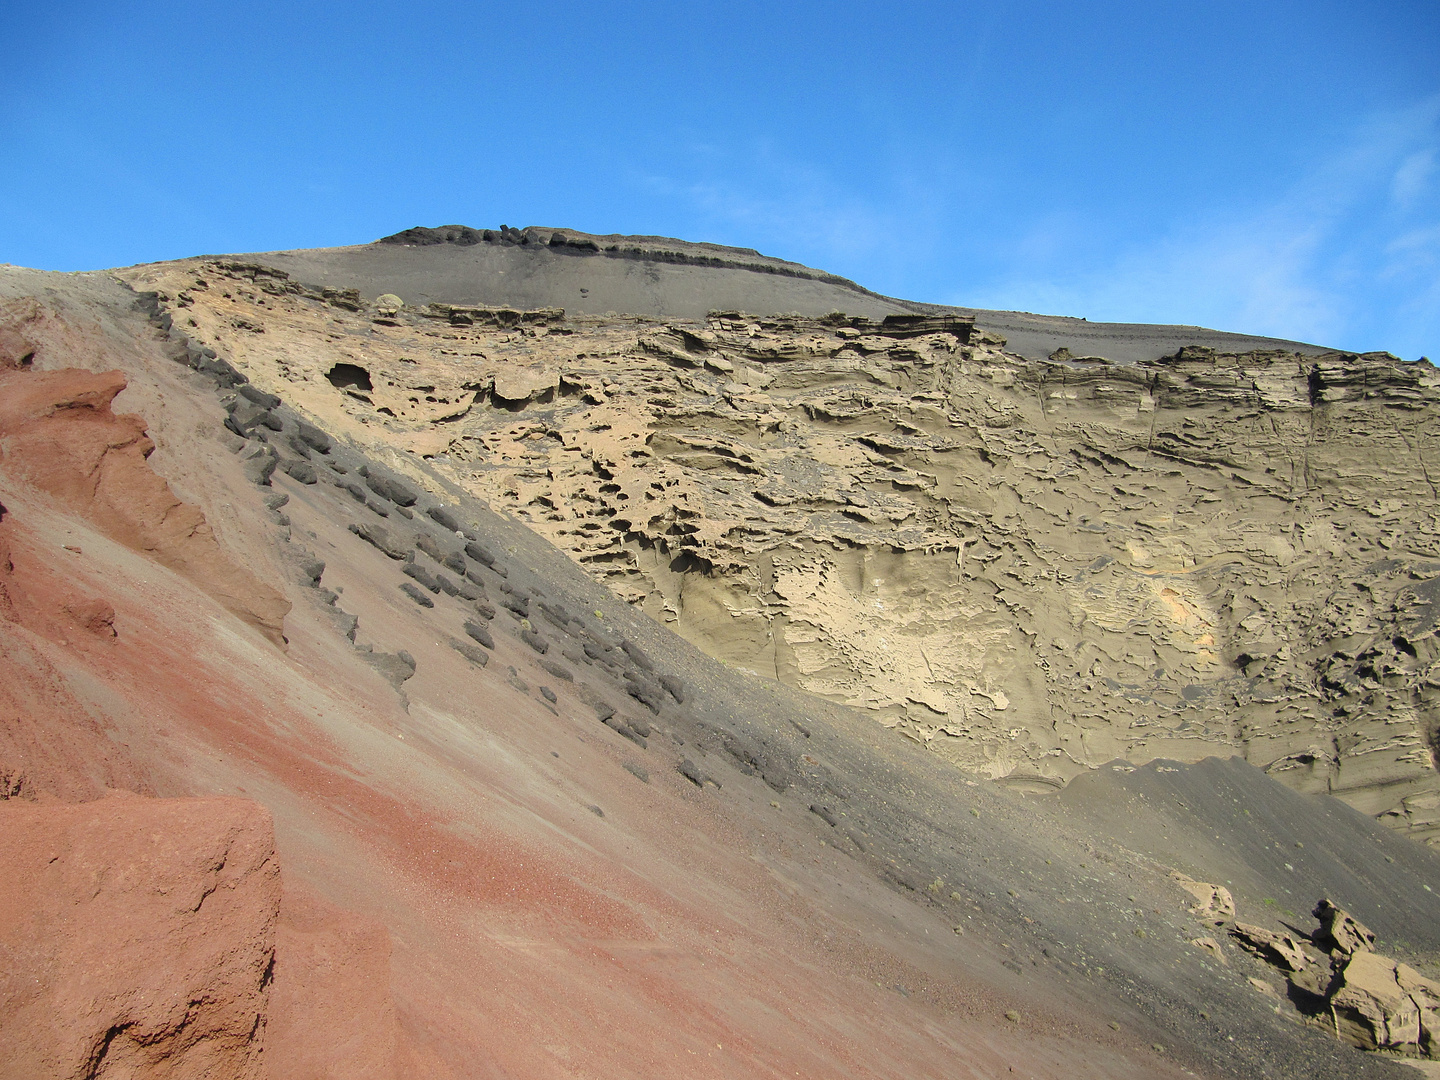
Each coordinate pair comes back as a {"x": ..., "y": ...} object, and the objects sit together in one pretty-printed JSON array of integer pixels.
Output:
[{"x": 661, "y": 277}]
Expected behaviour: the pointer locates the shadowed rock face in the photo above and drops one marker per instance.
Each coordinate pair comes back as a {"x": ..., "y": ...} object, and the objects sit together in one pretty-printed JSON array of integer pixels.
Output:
[{"x": 1031, "y": 567}]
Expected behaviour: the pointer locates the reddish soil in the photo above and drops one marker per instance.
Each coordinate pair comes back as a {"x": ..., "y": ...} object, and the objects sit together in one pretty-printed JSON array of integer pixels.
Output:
[
  {"x": 330, "y": 1008},
  {"x": 50, "y": 744}
]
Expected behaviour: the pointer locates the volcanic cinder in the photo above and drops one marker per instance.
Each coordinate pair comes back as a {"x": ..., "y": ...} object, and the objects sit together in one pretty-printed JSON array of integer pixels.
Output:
[{"x": 528, "y": 653}]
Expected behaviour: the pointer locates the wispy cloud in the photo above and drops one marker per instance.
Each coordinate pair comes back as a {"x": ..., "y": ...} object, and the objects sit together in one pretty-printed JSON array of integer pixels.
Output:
[
  {"x": 759, "y": 191},
  {"x": 879, "y": 220},
  {"x": 1413, "y": 177},
  {"x": 1349, "y": 256}
]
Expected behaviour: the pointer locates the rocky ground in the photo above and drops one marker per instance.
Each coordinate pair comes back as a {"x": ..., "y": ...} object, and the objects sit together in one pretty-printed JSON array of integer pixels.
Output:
[{"x": 521, "y": 828}]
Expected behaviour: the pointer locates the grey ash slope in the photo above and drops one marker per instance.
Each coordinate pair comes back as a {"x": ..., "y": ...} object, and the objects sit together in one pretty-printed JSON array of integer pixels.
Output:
[
  {"x": 1276, "y": 849},
  {"x": 1055, "y": 890},
  {"x": 665, "y": 278}
]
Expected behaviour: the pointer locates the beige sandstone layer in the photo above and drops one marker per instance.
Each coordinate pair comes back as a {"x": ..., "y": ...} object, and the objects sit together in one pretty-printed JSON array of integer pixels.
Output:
[{"x": 1033, "y": 568}]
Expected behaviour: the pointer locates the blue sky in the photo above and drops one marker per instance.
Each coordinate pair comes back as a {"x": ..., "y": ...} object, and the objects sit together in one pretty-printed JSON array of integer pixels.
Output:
[{"x": 1263, "y": 167}]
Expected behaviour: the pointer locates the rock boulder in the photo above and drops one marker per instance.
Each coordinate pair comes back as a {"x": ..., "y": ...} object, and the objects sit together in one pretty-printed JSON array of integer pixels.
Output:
[{"x": 138, "y": 937}]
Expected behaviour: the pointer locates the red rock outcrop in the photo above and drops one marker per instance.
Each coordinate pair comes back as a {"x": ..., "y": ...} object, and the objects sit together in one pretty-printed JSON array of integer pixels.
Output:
[
  {"x": 138, "y": 937},
  {"x": 59, "y": 434},
  {"x": 148, "y": 939}
]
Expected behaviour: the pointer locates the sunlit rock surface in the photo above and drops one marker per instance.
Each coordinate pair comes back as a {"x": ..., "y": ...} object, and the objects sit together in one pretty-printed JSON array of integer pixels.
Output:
[{"x": 1033, "y": 566}]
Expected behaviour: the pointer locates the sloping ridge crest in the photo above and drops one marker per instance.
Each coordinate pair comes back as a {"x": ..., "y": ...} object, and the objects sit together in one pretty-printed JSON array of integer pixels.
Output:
[
  {"x": 539, "y": 266},
  {"x": 620, "y": 246}
]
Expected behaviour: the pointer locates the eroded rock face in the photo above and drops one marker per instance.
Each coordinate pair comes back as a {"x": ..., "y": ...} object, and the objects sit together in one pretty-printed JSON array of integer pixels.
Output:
[
  {"x": 512, "y": 924},
  {"x": 1340, "y": 933},
  {"x": 1282, "y": 950},
  {"x": 137, "y": 936},
  {"x": 1379, "y": 1003},
  {"x": 59, "y": 434},
  {"x": 1213, "y": 903},
  {"x": 1031, "y": 567},
  {"x": 1370, "y": 1001}
]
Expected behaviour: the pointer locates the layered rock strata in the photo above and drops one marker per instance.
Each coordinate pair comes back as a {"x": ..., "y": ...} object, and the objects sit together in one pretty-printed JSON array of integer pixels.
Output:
[
  {"x": 1031, "y": 567},
  {"x": 663, "y": 277}
]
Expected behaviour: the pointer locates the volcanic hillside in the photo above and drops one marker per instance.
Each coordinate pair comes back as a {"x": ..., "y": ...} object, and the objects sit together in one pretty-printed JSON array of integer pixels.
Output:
[
  {"x": 1032, "y": 567},
  {"x": 347, "y": 730}
]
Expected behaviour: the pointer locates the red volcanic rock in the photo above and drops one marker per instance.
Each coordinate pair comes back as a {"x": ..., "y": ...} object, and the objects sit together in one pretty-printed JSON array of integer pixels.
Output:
[
  {"x": 58, "y": 433},
  {"x": 137, "y": 938},
  {"x": 94, "y": 616},
  {"x": 146, "y": 938}
]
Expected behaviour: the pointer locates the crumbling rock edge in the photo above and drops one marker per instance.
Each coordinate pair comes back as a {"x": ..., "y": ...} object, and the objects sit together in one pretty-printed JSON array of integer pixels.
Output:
[{"x": 148, "y": 937}]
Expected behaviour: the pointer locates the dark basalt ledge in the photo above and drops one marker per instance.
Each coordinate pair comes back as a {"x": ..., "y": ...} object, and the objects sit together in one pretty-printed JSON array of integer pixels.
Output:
[
  {"x": 645, "y": 248},
  {"x": 815, "y": 291}
]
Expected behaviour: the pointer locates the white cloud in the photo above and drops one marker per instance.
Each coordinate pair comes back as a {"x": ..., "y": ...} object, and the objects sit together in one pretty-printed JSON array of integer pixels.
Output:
[
  {"x": 1349, "y": 256},
  {"x": 798, "y": 208},
  {"x": 1412, "y": 178}
]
